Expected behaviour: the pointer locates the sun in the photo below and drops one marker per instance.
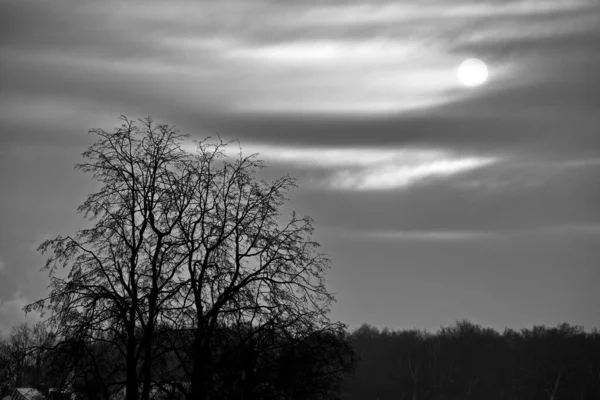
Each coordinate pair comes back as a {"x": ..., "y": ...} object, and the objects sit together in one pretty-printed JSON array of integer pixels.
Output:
[{"x": 472, "y": 72}]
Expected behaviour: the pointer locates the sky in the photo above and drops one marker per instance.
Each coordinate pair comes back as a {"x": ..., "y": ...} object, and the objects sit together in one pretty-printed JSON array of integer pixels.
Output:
[{"x": 435, "y": 201}]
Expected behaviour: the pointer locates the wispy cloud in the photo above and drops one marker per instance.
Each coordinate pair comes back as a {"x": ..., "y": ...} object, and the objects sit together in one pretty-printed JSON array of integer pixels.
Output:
[
  {"x": 370, "y": 57},
  {"x": 382, "y": 12},
  {"x": 453, "y": 235},
  {"x": 374, "y": 168},
  {"x": 401, "y": 174},
  {"x": 431, "y": 235},
  {"x": 586, "y": 229}
]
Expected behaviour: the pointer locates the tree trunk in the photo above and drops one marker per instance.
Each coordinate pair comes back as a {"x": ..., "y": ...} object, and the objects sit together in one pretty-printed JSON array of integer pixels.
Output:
[
  {"x": 552, "y": 395},
  {"x": 199, "y": 387},
  {"x": 147, "y": 344},
  {"x": 201, "y": 374},
  {"x": 147, "y": 371},
  {"x": 131, "y": 387}
]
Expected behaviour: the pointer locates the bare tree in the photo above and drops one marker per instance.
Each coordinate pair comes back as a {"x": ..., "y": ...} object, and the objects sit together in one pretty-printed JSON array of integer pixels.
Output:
[
  {"x": 188, "y": 241},
  {"x": 120, "y": 268},
  {"x": 21, "y": 354},
  {"x": 245, "y": 267},
  {"x": 14, "y": 354}
]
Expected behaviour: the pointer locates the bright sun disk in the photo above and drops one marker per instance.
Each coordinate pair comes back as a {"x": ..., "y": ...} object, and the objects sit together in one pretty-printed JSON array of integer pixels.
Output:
[{"x": 472, "y": 72}]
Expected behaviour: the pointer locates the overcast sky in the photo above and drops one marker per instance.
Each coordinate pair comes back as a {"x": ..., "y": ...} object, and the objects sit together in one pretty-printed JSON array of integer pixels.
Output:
[{"x": 435, "y": 201}]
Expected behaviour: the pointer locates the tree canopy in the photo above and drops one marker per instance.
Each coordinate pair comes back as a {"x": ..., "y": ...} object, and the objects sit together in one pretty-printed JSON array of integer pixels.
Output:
[{"x": 184, "y": 243}]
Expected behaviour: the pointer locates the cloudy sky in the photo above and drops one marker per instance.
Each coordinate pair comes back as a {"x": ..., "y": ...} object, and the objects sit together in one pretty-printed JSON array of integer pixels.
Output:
[{"x": 435, "y": 201}]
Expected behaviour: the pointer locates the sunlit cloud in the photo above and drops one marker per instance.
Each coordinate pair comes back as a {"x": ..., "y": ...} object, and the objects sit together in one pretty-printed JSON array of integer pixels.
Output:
[
  {"x": 332, "y": 51},
  {"x": 290, "y": 70},
  {"x": 374, "y": 169},
  {"x": 339, "y": 157},
  {"x": 325, "y": 75},
  {"x": 395, "y": 175},
  {"x": 332, "y": 57}
]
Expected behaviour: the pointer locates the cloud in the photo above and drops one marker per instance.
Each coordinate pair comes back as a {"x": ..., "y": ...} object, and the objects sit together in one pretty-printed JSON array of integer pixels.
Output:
[
  {"x": 284, "y": 58},
  {"x": 379, "y": 13},
  {"x": 450, "y": 235},
  {"x": 372, "y": 168},
  {"x": 584, "y": 229},
  {"x": 395, "y": 175},
  {"x": 435, "y": 236},
  {"x": 315, "y": 73},
  {"x": 511, "y": 195}
]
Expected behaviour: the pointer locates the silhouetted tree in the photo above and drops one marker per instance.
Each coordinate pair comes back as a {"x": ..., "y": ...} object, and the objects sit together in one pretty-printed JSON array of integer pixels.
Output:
[
  {"x": 181, "y": 245},
  {"x": 22, "y": 355}
]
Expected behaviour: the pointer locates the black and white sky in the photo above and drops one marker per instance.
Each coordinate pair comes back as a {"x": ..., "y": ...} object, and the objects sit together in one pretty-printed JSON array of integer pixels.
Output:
[{"x": 435, "y": 201}]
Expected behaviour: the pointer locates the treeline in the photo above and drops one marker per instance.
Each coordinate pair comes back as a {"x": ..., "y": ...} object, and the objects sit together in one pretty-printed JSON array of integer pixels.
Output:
[
  {"x": 269, "y": 365},
  {"x": 463, "y": 361},
  {"x": 467, "y": 361}
]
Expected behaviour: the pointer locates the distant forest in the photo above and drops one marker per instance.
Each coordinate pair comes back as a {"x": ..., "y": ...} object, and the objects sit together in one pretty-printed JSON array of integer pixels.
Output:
[
  {"x": 463, "y": 361},
  {"x": 467, "y": 361}
]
